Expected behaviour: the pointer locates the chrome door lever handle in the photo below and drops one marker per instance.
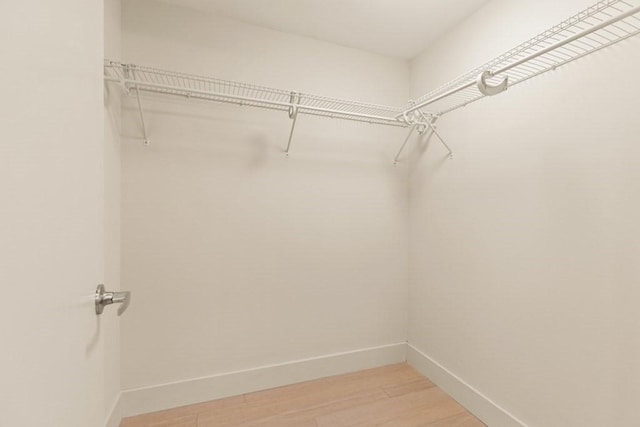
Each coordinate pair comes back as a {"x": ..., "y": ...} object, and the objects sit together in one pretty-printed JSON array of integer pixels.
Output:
[{"x": 104, "y": 298}]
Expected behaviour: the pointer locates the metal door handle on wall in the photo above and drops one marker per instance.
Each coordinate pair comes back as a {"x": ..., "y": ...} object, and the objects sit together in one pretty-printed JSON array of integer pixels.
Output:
[{"x": 104, "y": 298}]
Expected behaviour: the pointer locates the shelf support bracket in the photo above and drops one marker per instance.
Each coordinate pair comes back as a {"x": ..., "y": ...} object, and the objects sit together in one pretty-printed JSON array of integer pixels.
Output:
[
  {"x": 404, "y": 144},
  {"x": 293, "y": 115},
  {"x": 144, "y": 127},
  {"x": 431, "y": 123},
  {"x": 129, "y": 69}
]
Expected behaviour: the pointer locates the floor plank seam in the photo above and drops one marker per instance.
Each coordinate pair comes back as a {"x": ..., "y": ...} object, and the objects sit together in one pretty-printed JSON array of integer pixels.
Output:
[{"x": 387, "y": 396}]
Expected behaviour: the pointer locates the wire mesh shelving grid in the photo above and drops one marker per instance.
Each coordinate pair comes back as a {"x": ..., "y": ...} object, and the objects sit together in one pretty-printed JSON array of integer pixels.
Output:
[
  {"x": 148, "y": 79},
  {"x": 601, "y": 25}
]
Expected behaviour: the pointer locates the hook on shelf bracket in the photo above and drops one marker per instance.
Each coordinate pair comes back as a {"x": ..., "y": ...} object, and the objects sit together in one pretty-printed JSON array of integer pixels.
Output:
[
  {"x": 293, "y": 115},
  {"x": 490, "y": 90}
]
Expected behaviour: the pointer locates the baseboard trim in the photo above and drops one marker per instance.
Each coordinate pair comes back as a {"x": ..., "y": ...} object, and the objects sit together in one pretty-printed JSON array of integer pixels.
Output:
[
  {"x": 115, "y": 415},
  {"x": 473, "y": 400},
  {"x": 164, "y": 396}
]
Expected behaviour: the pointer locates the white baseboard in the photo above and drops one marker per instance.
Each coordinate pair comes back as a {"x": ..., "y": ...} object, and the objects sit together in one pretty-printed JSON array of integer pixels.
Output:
[
  {"x": 165, "y": 396},
  {"x": 474, "y": 401},
  {"x": 115, "y": 415}
]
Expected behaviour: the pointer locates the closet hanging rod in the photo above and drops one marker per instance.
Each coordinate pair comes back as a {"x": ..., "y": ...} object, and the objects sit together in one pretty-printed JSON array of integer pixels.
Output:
[
  {"x": 614, "y": 25},
  {"x": 392, "y": 120}
]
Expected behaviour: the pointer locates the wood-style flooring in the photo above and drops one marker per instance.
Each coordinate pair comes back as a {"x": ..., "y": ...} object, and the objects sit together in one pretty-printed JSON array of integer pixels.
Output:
[{"x": 391, "y": 396}]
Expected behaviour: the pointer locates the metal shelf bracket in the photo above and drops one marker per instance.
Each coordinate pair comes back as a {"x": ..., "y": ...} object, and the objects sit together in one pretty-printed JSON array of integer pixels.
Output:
[
  {"x": 432, "y": 125},
  {"x": 404, "y": 143},
  {"x": 129, "y": 72},
  {"x": 420, "y": 123},
  {"x": 293, "y": 115}
]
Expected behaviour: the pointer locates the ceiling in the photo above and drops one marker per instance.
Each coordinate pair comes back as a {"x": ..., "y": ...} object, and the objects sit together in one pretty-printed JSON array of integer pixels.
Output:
[{"x": 399, "y": 28}]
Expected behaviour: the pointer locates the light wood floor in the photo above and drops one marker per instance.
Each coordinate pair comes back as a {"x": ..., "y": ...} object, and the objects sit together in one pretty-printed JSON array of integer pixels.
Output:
[{"x": 391, "y": 396}]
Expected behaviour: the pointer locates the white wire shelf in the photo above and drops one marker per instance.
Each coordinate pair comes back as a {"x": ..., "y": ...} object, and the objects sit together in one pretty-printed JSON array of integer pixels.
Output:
[
  {"x": 595, "y": 28},
  {"x": 600, "y": 26},
  {"x": 146, "y": 79}
]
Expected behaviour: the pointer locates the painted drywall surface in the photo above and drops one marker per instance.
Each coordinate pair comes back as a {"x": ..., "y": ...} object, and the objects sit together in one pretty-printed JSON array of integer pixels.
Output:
[
  {"x": 237, "y": 256},
  {"x": 51, "y": 213},
  {"x": 112, "y": 49},
  {"x": 523, "y": 278}
]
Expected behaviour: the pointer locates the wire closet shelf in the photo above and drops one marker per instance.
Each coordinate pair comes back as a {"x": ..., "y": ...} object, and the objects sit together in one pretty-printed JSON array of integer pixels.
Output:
[
  {"x": 149, "y": 79},
  {"x": 595, "y": 28}
]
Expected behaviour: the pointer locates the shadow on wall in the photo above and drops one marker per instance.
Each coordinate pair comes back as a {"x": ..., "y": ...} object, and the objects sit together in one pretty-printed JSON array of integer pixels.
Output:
[
  {"x": 256, "y": 144},
  {"x": 223, "y": 130},
  {"x": 94, "y": 340},
  {"x": 112, "y": 104},
  {"x": 259, "y": 147}
]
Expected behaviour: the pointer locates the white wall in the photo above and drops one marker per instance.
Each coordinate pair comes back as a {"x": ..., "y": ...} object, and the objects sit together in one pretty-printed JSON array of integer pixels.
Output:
[
  {"x": 524, "y": 279},
  {"x": 238, "y": 257},
  {"x": 112, "y": 119}
]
